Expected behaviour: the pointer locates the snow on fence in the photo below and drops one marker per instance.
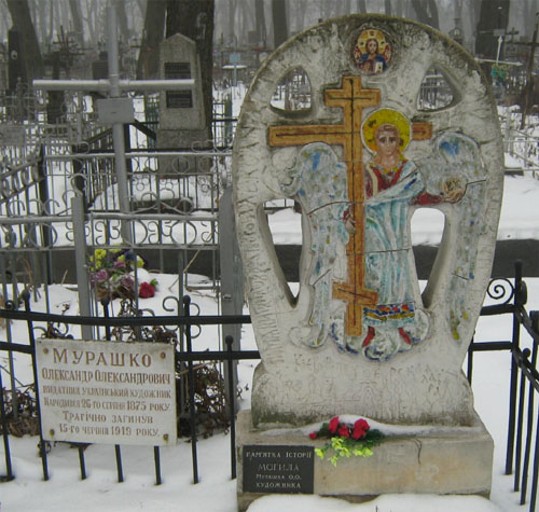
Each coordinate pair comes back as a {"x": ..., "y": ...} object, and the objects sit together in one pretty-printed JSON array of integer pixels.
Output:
[{"x": 505, "y": 297}]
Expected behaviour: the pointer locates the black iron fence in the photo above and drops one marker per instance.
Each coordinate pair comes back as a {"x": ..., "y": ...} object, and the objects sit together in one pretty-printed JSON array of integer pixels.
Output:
[
  {"x": 185, "y": 358},
  {"x": 509, "y": 297},
  {"x": 522, "y": 451}
]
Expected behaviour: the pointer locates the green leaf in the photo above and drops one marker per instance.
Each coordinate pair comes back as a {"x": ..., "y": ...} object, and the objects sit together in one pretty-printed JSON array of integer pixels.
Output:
[{"x": 320, "y": 452}]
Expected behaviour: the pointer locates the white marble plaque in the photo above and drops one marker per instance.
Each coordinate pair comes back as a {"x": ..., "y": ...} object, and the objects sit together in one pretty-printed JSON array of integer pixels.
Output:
[{"x": 107, "y": 392}]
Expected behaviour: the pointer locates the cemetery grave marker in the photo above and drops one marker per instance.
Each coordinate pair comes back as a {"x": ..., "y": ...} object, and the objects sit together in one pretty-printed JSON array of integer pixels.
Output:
[
  {"x": 182, "y": 119},
  {"x": 107, "y": 392},
  {"x": 361, "y": 338}
]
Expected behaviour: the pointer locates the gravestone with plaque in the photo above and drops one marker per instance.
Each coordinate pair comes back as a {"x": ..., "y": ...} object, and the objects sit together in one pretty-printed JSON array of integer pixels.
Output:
[
  {"x": 182, "y": 120},
  {"x": 361, "y": 337}
]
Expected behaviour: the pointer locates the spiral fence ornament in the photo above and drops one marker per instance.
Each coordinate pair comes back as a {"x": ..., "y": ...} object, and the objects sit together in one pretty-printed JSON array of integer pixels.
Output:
[{"x": 501, "y": 290}]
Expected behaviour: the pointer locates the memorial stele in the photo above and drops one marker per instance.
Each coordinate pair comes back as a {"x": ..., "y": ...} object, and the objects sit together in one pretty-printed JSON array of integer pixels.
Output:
[{"x": 361, "y": 152}]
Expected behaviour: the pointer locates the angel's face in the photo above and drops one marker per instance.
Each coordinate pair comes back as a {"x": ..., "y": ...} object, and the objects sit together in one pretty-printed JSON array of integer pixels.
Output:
[{"x": 387, "y": 141}]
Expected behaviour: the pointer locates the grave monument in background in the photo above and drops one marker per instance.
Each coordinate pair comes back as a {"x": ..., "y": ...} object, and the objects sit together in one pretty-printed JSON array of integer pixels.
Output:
[
  {"x": 360, "y": 338},
  {"x": 182, "y": 120}
]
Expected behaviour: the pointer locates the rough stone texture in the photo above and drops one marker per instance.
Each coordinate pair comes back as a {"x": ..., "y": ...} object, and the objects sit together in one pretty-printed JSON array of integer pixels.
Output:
[
  {"x": 181, "y": 128},
  {"x": 442, "y": 460},
  {"x": 304, "y": 375},
  {"x": 181, "y": 49}
]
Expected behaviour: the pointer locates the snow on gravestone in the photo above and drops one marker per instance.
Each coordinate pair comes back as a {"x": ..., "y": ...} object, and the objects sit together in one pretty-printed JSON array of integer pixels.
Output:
[{"x": 360, "y": 155}]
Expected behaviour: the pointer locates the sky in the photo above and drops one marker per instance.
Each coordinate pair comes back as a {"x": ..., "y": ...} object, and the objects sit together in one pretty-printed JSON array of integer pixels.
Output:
[{"x": 216, "y": 491}]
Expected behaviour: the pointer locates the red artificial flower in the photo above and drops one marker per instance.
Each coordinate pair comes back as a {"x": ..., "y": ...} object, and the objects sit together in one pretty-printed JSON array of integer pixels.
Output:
[
  {"x": 343, "y": 431},
  {"x": 313, "y": 435},
  {"x": 360, "y": 429},
  {"x": 358, "y": 433},
  {"x": 361, "y": 423},
  {"x": 146, "y": 290},
  {"x": 333, "y": 424}
]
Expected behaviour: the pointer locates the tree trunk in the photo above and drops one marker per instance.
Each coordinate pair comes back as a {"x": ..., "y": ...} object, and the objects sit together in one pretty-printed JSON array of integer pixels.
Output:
[
  {"x": 4, "y": 24},
  {"x": 280, "y": 26},
  {"x": 260, "y": 22},
  {"x": 296, "y": 14},
  {"x": 426, "y": 12},
  {"x": 387, "y": 7},
  {"x": 123, "y": 25},
  {"x": 194, "y": 19},
  {"x": 493, "y": 19},
  {"x": 89, "y": 19},
  {"x": 232, "y": 40},
  {"x": 529, "y": 25},
  {"x": 361, "y": 6},
  {"x": 31, "y": 54},
  {"x": 76, "y": 18},
  {"x": 152, "y": 35}
]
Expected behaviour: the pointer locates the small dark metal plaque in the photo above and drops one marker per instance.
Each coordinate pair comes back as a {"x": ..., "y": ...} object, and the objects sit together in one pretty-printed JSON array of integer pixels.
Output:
[{"x": 278, "y": 469}]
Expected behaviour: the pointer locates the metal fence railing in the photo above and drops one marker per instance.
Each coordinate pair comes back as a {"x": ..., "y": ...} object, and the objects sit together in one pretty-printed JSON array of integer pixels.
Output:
[
  {"x": 510, "y": 297},
  {"x": 522, "y": 449},
  {"x": 186, "y": 356}
]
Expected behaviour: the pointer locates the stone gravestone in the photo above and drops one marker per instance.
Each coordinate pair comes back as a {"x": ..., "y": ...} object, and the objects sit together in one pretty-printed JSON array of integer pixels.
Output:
[
  {"x": 360, "y": 337},
  {"x": 182, "y": 121}
]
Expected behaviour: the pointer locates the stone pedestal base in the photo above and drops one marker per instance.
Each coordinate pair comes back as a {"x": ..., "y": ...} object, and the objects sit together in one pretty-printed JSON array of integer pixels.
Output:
[{"x": 429, "y": 460}]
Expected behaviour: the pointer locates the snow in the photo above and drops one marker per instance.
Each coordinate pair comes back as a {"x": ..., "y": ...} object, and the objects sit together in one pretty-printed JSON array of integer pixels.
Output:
[
  {"x": 518, "y": 218},
  {"x": 216, "y": 491}
]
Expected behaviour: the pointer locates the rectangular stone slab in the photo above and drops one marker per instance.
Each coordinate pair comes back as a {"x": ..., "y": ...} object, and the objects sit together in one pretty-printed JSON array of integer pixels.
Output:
[{"x": 441, "y": 460}]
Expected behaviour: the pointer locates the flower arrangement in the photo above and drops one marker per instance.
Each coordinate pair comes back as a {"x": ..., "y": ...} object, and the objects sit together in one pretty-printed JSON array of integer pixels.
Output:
[
  {"x": 347, "y": 439},
  {"x": 112, "y": 275}
]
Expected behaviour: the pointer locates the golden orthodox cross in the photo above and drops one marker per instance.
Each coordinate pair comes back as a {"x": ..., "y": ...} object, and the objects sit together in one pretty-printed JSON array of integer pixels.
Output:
[{"x": 352, "y": 98}]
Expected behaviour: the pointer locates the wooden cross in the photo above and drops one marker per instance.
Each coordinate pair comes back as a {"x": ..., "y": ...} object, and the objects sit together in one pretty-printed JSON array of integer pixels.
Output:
[{"x": 352, "y": 98}]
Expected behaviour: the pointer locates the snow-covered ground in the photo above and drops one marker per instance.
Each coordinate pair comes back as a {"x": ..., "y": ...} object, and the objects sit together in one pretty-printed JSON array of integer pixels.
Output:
[
  {"x": 216, "y": 491},
  {"x": 518, "y": 218}
]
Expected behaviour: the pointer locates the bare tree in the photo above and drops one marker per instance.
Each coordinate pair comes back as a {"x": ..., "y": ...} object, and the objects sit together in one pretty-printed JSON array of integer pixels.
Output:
[
  {"x": 40, "y": 12},
  {"x": 4, "y": 23},
  {"x": 260, "y": 22},
  {"x": 232, "y": 6},
  {"x": 152, "y": 35},
  {"x": 327, "y": 9},
  {"x": 280, "y": 24},
  {"x": 297, "y": 13},
  {"x": 361, "y": 6},
  {"x": 426, "y": 12},
  {"x": 123, "y": 24},
  {"x": 91, "y": 19},
  {"x": 346, "y": 6},
  {"x": 194, "y": 19},
  {"x": 399, "y": 8},
  {"x": 76, "y": 18},
  {"x": 531, "y": 7},
  {"x": 247, "y": 19},
  {"x": 493, "y": 18},
  {"x": 31, "y": 54}
]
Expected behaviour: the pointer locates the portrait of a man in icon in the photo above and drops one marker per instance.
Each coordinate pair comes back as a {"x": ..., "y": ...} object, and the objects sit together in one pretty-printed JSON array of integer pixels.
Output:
[{"x": 372, "y": 52}]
